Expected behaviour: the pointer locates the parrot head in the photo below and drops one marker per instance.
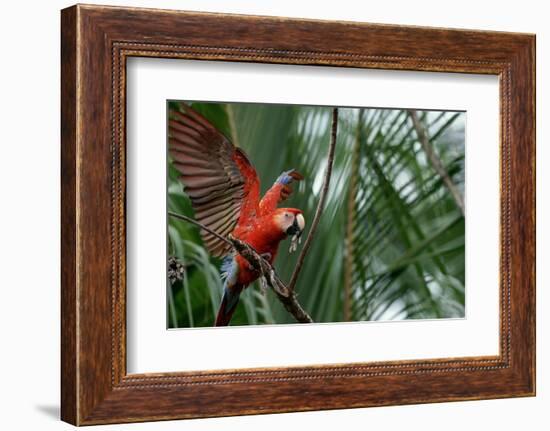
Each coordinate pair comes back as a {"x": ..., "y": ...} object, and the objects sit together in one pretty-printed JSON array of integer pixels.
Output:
[{"x": 291, "y": 223}]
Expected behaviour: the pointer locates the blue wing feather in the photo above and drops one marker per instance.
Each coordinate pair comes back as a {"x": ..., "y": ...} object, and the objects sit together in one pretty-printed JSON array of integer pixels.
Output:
[{"x": 285, "y": 177}]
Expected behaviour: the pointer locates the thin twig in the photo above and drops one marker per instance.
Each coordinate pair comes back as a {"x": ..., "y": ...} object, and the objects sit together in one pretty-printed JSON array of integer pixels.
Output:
[
  {"x": 320, "y": 205},
  {"x": 287, "y": 298},
  {"x": 435, "y": 161},
  {"x": 195, "y": 222}
]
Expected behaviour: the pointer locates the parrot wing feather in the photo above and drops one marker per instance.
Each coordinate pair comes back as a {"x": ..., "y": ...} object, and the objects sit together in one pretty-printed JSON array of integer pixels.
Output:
[{"x": 217, "y": 176}]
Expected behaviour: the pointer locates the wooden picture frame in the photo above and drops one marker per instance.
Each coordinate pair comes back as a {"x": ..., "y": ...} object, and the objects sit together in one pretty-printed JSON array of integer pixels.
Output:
[{"x": 96, "y": 41}]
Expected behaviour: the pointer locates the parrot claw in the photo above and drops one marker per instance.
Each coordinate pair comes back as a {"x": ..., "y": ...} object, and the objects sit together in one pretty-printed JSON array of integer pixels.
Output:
[{"x": 265, "y": 256}]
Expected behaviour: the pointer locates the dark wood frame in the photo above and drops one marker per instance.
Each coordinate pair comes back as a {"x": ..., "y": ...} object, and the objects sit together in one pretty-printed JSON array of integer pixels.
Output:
[{"x": 95, "y": 43}]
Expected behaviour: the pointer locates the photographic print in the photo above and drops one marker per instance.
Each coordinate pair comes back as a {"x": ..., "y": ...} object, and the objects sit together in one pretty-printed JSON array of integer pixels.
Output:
[
  {"x": 316, "y": 238},
  {"x": 282, "y": 214}
]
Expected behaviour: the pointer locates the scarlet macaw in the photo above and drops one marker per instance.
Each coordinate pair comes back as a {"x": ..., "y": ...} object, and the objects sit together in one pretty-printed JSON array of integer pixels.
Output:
[{"x": 225, "y": 194}]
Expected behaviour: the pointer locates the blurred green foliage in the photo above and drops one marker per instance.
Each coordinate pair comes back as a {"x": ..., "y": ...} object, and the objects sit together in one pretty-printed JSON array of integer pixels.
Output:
[{"x": 389, "y": 219}]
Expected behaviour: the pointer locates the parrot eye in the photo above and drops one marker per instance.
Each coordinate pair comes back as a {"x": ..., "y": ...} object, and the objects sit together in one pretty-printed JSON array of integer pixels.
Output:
[{"x": 287, "y": 215}]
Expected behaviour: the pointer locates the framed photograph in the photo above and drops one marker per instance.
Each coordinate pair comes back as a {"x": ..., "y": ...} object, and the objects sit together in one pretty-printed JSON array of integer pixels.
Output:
[{"x": 268, "y": 215}]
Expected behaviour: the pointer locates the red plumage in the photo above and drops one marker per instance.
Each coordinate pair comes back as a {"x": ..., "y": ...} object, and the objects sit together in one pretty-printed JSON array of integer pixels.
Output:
[{"x": 224, "y": 189}]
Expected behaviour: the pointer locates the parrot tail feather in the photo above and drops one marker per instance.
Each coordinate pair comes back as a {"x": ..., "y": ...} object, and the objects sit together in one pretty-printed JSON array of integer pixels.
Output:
[{"x": 228, "y": 305}]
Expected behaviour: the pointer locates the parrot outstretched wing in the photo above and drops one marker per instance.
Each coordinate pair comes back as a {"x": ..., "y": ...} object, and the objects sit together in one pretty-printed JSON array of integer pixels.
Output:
[
  {"x": 218, "y": 177},
  {"x": 278, "y": 192}
]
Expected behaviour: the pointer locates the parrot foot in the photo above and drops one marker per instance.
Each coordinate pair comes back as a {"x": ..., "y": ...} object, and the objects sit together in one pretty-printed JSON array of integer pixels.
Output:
[{"x": 265, "y": 256}]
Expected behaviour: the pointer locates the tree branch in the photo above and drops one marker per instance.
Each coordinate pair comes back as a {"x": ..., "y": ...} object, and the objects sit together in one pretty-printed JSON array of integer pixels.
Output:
[
  {"x": 435, "y": 161},
  {"x": 284, "y": 294},
  {"x": 287, "y": 298},
  {"x": 320, "y": 205}
]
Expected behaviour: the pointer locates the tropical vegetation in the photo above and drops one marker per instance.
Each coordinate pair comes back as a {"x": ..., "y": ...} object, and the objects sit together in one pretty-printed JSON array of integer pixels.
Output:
[{"x": 390, "y": 244}]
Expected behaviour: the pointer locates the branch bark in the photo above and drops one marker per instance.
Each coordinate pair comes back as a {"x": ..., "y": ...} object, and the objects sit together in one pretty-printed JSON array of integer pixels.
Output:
[
  {"x": 320, "y": 205},
  {"x": 436, "y": 161}
]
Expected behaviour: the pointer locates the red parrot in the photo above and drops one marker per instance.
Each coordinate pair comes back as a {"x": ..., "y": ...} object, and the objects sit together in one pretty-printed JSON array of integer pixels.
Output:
[{"x": 224, "y": 189}]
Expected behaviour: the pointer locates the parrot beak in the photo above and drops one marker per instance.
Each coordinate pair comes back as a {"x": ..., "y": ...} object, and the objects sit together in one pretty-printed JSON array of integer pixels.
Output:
[
  {"x": 301, "y": 223},
  {"x": 297, "y": 227},
  {"x": 295, "y": 231}
]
